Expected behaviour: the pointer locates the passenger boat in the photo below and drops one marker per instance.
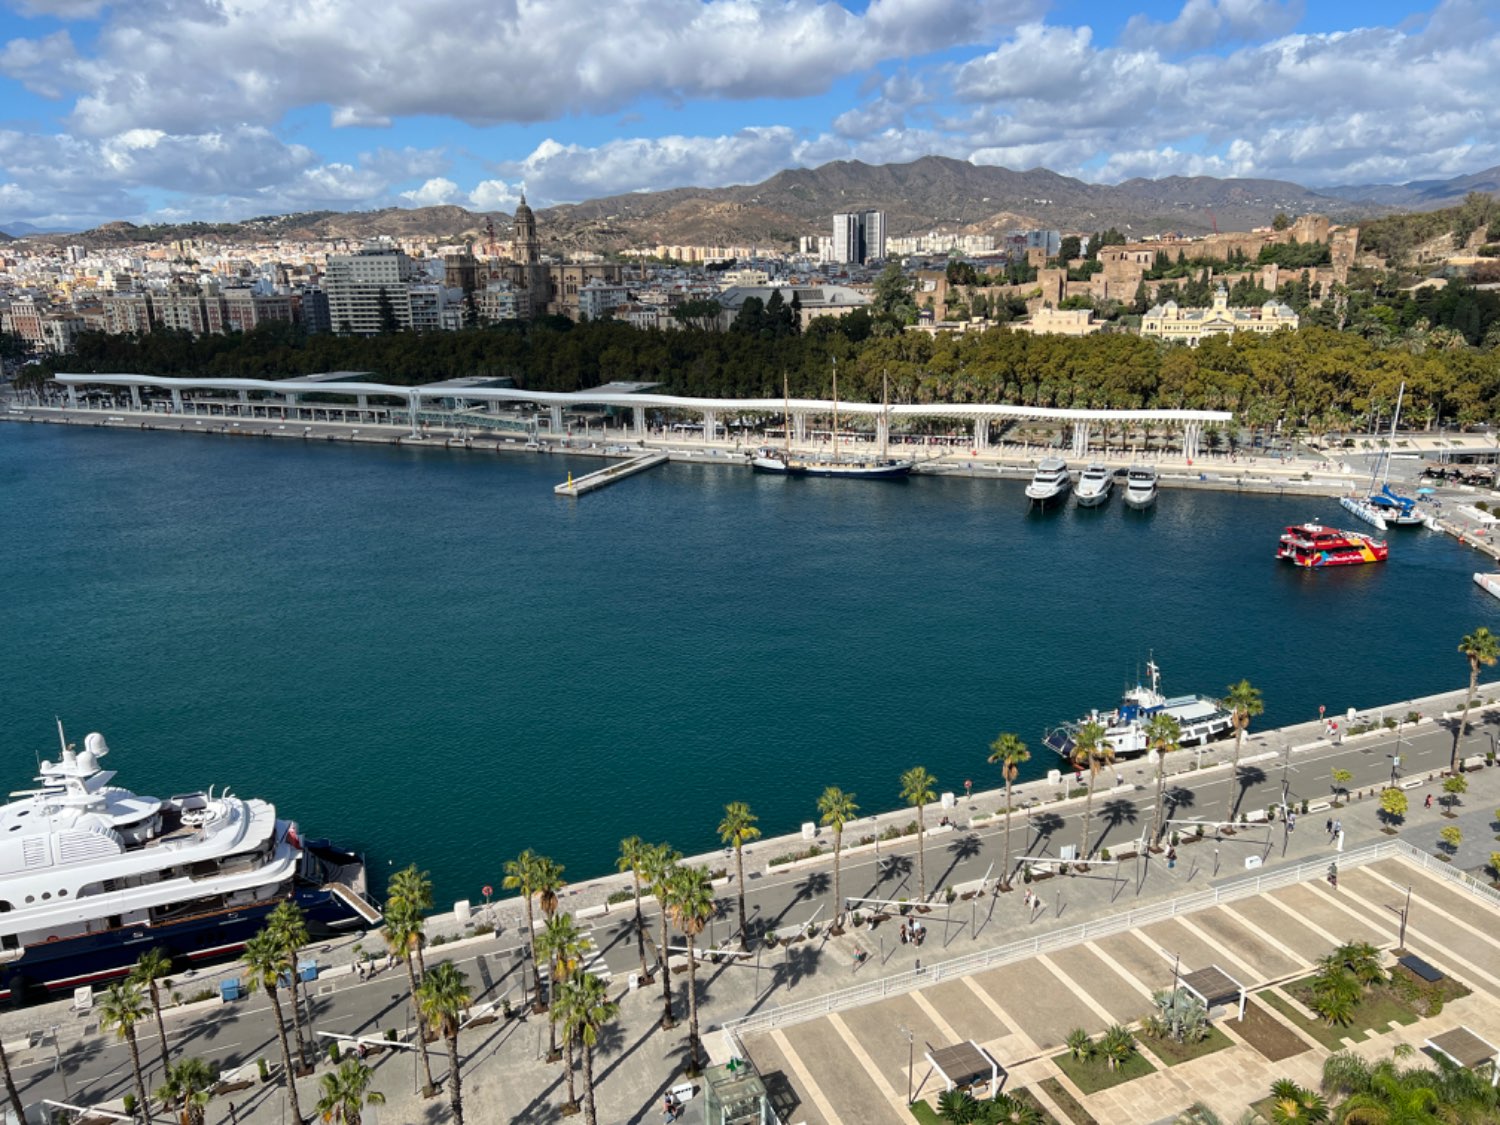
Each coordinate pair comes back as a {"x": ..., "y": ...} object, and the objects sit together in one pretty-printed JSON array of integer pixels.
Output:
[
  {"x": 1094, "y": 486},
  {"x": 1201, "y": 717},
  {"x": 94, "y": 875},
  {"x": 1313, "y": 545},
  {"x": 1140, "y": 487},
  {"x": 1489, "y": 583},
  {"x": 1050, "y": 482}
]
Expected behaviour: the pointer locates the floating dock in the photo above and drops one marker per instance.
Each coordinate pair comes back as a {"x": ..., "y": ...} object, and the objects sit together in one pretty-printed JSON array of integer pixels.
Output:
[{"x": 608, "y": 475}]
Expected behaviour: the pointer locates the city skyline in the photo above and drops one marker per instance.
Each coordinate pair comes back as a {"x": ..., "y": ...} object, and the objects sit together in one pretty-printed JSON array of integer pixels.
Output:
[{"x": 168, "y": 112}]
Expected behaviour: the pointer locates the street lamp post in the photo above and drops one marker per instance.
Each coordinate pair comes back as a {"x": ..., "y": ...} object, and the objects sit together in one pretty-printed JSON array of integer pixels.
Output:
[
  {"x": 1401, "y": 913},
  {"x": 911, "y": 1057}
]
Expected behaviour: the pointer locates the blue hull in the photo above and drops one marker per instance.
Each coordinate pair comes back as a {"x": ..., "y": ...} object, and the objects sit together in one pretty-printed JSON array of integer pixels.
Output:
[{"x": 57, "y": 967}]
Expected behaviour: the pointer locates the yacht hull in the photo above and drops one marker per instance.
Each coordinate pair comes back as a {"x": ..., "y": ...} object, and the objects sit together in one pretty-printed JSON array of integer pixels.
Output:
[
  {"x": 1140, "y": 501},
  {"x": 1091, "y": 499}
]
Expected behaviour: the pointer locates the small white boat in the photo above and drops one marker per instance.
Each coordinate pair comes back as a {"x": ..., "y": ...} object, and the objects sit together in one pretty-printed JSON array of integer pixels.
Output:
[
  {"x": 1490, "y": 583},
  {"x": 1050, "y": 482},
  {"x": 1140, "y": 487},
  {"x": 1361, "y": 509},
  {"x": 1094, "y": 486}
]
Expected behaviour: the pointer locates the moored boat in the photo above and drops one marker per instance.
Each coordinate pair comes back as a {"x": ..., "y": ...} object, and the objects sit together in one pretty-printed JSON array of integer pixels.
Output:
[
  {"x": 94, "y": 875},
  {"x": 1140, "y": 487},
  {"x": 1361, "y": 509},
  {"x": 1312, "y": 545},
  {"x": 1094, "y": 486},
  {"x": 1201, "y": 717},
  {"x": 1489, "y": 583},
  {"x": 1050, "y": 482}
]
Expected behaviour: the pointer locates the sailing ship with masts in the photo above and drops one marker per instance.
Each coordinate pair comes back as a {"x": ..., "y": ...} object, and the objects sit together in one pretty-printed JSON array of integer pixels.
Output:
[
  {"x": 1385, "y": 507},
  {"x": 786, "y": 463}
]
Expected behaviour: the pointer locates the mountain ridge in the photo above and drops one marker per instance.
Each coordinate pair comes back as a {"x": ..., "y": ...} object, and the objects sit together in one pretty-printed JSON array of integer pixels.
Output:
[{"x": 930, "y": 193}]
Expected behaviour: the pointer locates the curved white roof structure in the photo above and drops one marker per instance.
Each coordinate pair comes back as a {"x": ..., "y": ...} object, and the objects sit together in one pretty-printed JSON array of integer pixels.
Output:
[{"x": 716, "y": 406}]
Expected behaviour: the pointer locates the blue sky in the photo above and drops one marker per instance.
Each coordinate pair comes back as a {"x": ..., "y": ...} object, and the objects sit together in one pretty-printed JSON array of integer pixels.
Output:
[{"x": 164, "y": 110}]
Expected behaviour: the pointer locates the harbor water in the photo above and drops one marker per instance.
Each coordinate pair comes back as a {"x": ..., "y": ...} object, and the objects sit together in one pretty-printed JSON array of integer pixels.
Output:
[{"x": 430, "y": 656}]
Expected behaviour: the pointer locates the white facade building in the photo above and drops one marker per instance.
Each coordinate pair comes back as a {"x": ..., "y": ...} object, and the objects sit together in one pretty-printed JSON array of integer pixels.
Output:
[{"x": 354, "y": 284}]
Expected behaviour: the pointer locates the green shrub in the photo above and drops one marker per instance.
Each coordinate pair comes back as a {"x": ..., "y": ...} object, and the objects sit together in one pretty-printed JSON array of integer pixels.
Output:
[{"x": 627, "y": 895}]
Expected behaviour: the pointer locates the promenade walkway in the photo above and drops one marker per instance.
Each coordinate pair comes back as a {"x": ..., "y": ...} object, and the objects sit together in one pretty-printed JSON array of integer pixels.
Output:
[{"x": 843, "y": 1066}]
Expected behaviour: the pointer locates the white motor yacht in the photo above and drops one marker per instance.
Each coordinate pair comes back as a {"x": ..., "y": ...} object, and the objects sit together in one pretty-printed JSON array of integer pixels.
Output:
[
  {"x": 1050, "y": 483},
  {"x": 1140, "y": 486},
  {"x": 1095, "y": 485}
]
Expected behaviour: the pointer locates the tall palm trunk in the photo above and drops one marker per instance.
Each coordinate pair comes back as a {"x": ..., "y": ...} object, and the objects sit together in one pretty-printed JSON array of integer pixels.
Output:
[
  {"x": 640, "y": 926},
  {"x": 1088, "y": 812},
  {"x": 552, "y": 997},
  {"x": 739, "y": 879},
  {"x": 302, "y": 1054},
  {"x": 455, "y": 1093},
  {"x": 692, "y": 1007},
  {"x": 1161, "y": 793},
  {"x": 572, "y": 1106},
  {"x": 11, "y": 1093},
  {"x": 590, "y": 1116},
  {"x": 411, "y": 980},
  {"x": 666, "y": 977},
  {"x": 1005, "y": 864},
  {"x": 921, "y": 857},
  {"x": 161, "y": 1028},
  {"x": 140, "y": 1080},
  {"x": 1463, "y": 724},
  {"x": 288, "y": 1075},
  {"x": 838, "y": 901}
]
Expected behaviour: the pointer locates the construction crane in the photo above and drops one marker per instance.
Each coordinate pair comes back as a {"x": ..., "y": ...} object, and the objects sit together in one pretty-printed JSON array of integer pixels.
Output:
[{"x": 1213, "y": 220}]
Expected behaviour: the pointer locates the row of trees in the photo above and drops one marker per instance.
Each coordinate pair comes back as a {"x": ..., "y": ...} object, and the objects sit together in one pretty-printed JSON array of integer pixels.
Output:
[{"x": 1383, "y": 1092}]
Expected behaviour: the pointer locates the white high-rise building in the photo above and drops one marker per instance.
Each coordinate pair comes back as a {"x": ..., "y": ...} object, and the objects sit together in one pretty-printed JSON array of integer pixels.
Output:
[
  {"x": 355, "y": 284},
  {"x": 859, "y": 237}
]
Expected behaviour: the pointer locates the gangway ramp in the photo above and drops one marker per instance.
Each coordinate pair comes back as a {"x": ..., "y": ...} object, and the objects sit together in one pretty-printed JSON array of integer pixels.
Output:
[{"x": 610, "y": 473}]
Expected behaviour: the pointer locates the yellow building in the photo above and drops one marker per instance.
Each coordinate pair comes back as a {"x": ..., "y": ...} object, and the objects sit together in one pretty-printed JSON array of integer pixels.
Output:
[{"x": 1189, "y": 326}]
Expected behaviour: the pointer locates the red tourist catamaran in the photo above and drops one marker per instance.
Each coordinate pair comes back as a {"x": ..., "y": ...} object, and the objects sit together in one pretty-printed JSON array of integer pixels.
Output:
[{"x": 1313, "y": 545}]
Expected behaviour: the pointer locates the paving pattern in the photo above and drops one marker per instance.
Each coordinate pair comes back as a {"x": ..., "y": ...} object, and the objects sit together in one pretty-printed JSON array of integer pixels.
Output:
[{"x": 851, "y": 1068}]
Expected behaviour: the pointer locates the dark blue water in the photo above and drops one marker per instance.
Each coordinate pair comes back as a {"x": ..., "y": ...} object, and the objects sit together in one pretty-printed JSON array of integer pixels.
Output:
[{"x": 430, "y": 656}]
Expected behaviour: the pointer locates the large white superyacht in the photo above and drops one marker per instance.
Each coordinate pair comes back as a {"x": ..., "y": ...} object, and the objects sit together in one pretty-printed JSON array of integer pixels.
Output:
[
  {"x": 1050, "y": 482},
  {"x": 93, "y": 875}
]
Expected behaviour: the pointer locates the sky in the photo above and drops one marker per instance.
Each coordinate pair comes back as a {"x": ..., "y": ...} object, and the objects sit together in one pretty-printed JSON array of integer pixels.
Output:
[{"x": 172, "y": 110}]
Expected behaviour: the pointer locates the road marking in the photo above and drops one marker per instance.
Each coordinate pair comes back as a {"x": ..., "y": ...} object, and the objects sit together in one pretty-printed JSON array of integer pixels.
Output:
[
  {"x": 1275, "y": 901},
  {"x": 1012, "y": 1024},
  {"x": 814, "y": 1091},
  {"x": 1067, "y": 981},
  {"x": 898, "y": 1103},
  {"x": 1453, "y": 918},
  {"x": 936, "y": 1017},
  {"x": 1218, "y": 946},
  {"x": 1448, "y": 954}
]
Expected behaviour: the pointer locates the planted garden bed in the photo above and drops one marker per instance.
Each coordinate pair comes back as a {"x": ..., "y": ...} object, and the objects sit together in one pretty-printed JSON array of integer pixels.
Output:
[
  {"x": 1067, "y": 1102},
  {"x": 1094, "y": 1074},
  {"x": 1172, "y": 1052},
  {"x": 1267, "y": 1034}
]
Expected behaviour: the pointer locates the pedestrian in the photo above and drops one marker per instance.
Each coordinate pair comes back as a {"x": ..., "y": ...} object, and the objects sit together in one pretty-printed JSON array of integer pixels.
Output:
[
  {"x": 903, "y": 933},
  {"x": 1291, "y": 821},
  {"x": 1338, "y": 827},
  {"x": 1329, "y": 827},
  {"x": 1427, "y": 804},
  {"x": 1171, "y": 857}
]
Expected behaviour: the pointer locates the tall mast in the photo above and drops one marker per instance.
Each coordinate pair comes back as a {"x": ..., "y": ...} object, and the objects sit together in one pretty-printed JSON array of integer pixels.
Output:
[
  {"x": 786, "y": 414},
  {"x": 885, "y": 413},
  {"x": 1396, "y": 417},
  {"x": 835, "y": 409}
]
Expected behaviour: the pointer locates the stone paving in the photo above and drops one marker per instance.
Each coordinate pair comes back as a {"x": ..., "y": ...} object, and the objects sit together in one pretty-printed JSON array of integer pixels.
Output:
[{"x": 851, "y": 1068}]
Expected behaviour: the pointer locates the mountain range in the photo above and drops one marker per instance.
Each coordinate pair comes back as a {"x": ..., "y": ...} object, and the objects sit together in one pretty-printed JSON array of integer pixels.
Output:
[{"x": 932, "y": 193}]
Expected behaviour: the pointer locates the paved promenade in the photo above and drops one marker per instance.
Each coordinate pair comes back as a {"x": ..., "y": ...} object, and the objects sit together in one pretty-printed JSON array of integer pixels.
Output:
[{"x": 808, "y": 1055}]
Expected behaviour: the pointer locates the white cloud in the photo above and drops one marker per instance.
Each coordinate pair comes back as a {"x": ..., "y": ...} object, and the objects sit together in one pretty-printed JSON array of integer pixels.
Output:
[
  {"x": 435, "y": 191},
  {"x": 351, "y": 117},
  {"x": 1209, "y": 23},
  {"x": 495, "y": 195}
]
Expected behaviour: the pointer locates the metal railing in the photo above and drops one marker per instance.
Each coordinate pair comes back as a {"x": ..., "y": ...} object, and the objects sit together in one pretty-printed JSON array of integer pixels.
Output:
[{"x": 842, "y": 999}]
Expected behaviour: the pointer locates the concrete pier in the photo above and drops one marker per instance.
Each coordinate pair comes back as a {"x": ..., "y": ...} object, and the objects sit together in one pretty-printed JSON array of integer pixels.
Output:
[{"x": 610, "y": 474}]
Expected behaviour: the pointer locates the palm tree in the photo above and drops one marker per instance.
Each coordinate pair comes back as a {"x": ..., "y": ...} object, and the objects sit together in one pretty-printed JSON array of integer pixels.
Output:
[
  {"x": 562, "y": 943},
  {"x": 957, "y": 1107},
  {"x": 690, "y": 898},
  {"x": 154, "y": 965},
  {"x": 188, "y": 1084},
  {"x": 346, "y": 1092},
  {"x": 1010, "y": 754},
  {"x": 586, "y": 1009},
  {"x": 738, "y": 828},
  {"x": 521, "y": 874},
  {"x": 442, "y": 998},
  {"x": 1092, "y": 752},
  {"x": 1244, "y": 703},
  {"x": 660, "y": 867},
  {"x": 1008, "y": 1110},
  {"x": 632, "y": 852},
  {"x": 410, "y": 890},
  {"x": 837, "y": 809},
  {"x": 403, "y": 936},
  {"x": 1481, "y": 647},
  {"x": 289, "y": 927},
  {"x": 1117, "y": 1044},
  {"x": 11, "y": 1093},
  {"x": 918, "y": 788},
  {"x": 264, "y": 962},
  {"x": 1380, "y": 1093},
  {"x": 120, "y": 1009},
  {"x": 1296, "y": 1105},
  {"x": 1164, "y": 735}
]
